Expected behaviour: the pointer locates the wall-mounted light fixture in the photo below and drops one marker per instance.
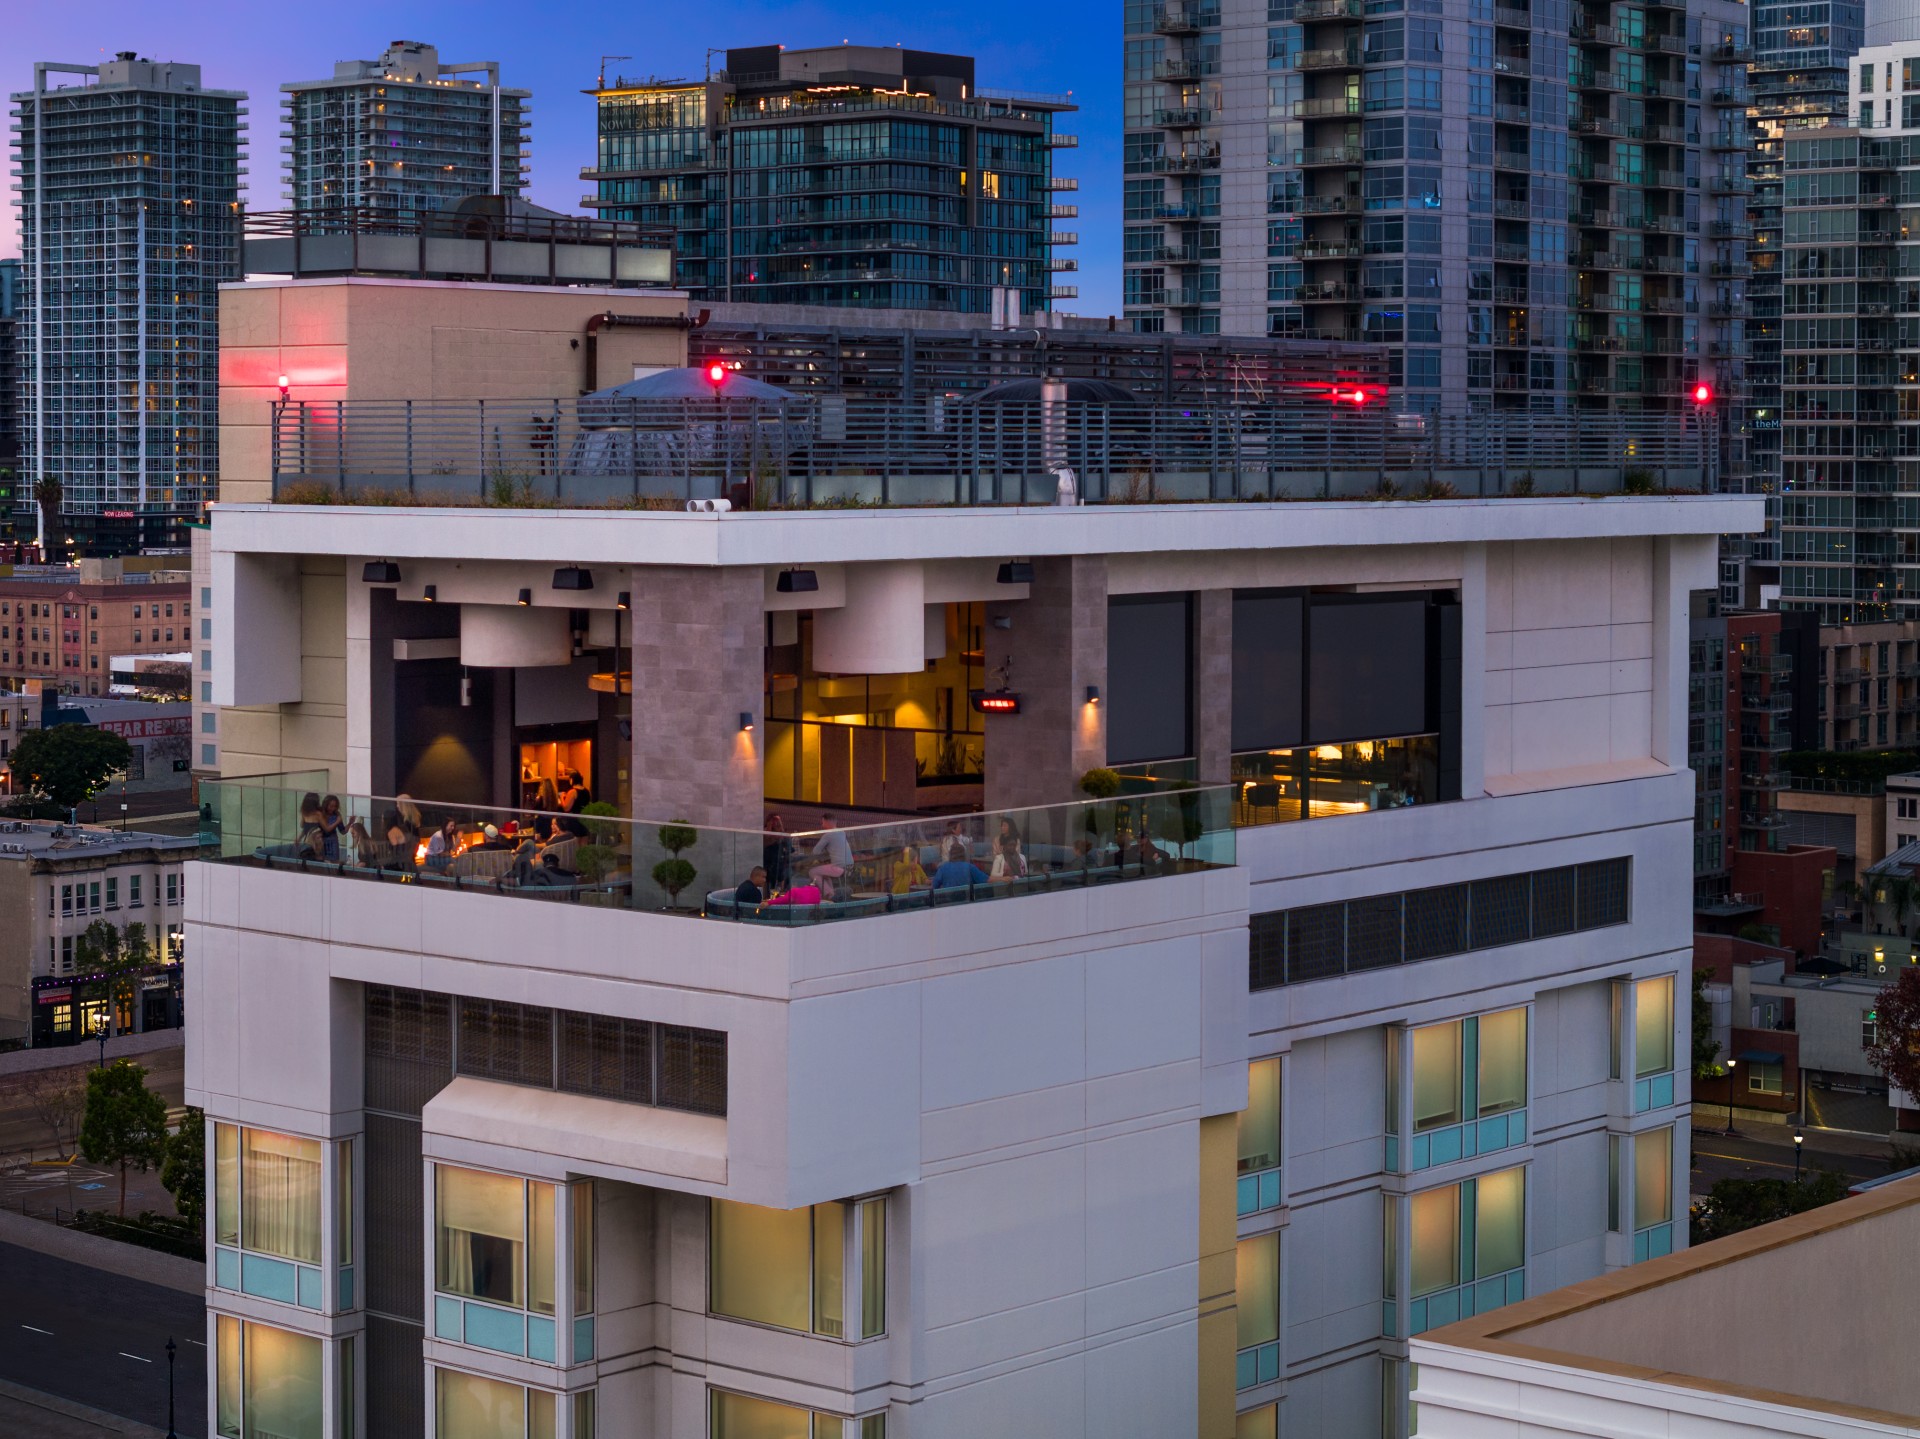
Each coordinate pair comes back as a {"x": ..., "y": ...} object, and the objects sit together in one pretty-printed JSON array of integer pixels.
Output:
[
  {"x": 1093, "y": 694},
  {"x": 746, "y": 720},
  {"x": 429, "y": 594},
  {"x": 380, "y": 572},
  {"x": 526, "y": 597},
  {"x": 996, "y": 702},
  {"x": 283, "y": 389},
  {"x": 623, "y": 601},
  {"x": 796, "y": 582},
  {"x": 572, "y": 577},
  {"x": 1016, "y": 572}
]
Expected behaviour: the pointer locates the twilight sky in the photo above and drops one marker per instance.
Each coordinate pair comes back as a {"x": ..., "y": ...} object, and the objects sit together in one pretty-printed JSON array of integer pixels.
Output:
[{"x": 554, "y": 52}]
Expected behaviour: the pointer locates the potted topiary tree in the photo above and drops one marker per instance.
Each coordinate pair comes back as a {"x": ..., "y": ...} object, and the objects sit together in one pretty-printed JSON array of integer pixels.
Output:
[
  {"x": 675, "y": 874},
  {"x": 603, "y": 855}
]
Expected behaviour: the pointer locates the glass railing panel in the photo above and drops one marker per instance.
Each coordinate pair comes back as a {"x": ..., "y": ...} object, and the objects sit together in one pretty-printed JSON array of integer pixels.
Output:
[{"x": 810, "y": 876}]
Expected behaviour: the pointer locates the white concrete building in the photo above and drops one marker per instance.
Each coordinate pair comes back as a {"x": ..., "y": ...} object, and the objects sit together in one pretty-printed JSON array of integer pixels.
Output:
[
  {"x": 1676, "y": 1346},
  {"x": 1241, "y": 1086}
]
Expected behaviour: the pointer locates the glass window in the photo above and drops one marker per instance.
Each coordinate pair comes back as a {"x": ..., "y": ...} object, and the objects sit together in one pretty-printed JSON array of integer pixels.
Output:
[
  {"x": 1500, "y": 1222},
  {"x": 226, "y": 1184},
  {"x": 467, "y": 1406},
  {"x": 1436, "y": 1076},
  {"x": 483, "y": 1250},
  {"x": 1503, "y": 1061},
  {"x": 1261, "y": 1423},
  {"x": 1260, "y": 1120},
  {"x": 1435, "y": 1239},
  {"x": 267, "y": 1384},
  {"x": 873, "y": 1268},
  {"x": 1653, "y": 1026},
  {"x": 272, "y": 1183},
  {"x": 343, "y": 1203},
  {"x": 1257, "y": 1282},
  {"x": 789, "y": 1267},
  {"x": 1652, "y": 1178},
  {"x": 1613, "y": 1183},
  {"x": 582, "y": 1199},
  {"x": 737, "y": 1416}
]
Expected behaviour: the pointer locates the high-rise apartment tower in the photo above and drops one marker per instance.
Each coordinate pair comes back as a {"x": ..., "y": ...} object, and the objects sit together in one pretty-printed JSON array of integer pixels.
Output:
[
  {"x": 1536, "y": 207},
  {"x": 404, "y": 135},
  {"x": 860, "y": 176},
  {"x": 128, "y": 184}
]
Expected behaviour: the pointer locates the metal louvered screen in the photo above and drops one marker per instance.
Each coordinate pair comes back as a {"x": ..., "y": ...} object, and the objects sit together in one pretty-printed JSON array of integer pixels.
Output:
[
  {"x": 1553, "y": 907},
  {"x": 505, "y": 1041},
  {"x": 1267, "y": 949},
  {"x": 611, "y": 1058},
  {"x": 1604, "y": 889},
  {"x": 1379, "y": 931},
  {"x": 1436, "y": 921},
  {"x": 693, "y": 1069},
  {"x": 1374, "y": 932},
  {"x": 409, "y": 1047},
  {"x": 1498, "y": 910},
  {"x": 1316, "y": 942},
  {"x": 396, "y": 1379},
  {"x": 395, "y": 1216}
]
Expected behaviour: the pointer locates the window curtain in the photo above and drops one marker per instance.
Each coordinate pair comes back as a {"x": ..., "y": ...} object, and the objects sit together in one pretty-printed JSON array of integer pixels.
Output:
[
  {"x": 280, "y": 1194},
  {"x": 1435, "y": 1239},
  {"x": 469, "y": 1407},
  {"x": 1260, "y": 1120},
  {"x": 1436, "y": 1076},
  {"x": 1257, "y": 1280},
  {"x": 735, "y": 1416},
  {"x": 1503, "y": 1061},
  {"x": 1500, "y": 1222},
  {"x": 482, "y": 1219},
  {"x": 283, "y": 1385},
  {"x": 1653, "y": 1026},
  {"x": 760, "y": 1264},
  {"x": 1652, "y": 1178}
]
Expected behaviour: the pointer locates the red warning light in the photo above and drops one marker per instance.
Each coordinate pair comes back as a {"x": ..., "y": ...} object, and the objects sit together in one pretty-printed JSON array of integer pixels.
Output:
[
  {"x": 716, "y": 374},
  {"x": 1703, "y": 393}
]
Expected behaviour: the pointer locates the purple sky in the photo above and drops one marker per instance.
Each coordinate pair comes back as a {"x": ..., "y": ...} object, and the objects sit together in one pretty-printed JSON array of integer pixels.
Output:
[{"x": 554, "y": 52}]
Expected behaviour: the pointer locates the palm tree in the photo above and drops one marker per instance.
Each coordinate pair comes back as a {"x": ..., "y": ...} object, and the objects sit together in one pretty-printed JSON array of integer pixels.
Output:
[{"x": 49, "y": 494}]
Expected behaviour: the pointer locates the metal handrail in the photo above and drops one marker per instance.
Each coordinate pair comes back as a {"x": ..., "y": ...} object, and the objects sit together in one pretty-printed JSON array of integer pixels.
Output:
[{"x": 832, "y": 449}]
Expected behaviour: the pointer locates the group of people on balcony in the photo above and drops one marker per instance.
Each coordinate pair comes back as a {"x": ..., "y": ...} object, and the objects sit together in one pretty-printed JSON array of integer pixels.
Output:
[
  {"x": 402, "y": 840},
  {"x": 828, "y": 870}
]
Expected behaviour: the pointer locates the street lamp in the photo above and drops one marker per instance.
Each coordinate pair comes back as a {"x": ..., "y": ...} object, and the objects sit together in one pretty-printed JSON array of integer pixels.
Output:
[
  {"x": 170, "y": 1430},
  {"x": 1732, "y": 1064},
  {"x": 1799, "y": 1138},
  {"x": 100, "y": 1029}
]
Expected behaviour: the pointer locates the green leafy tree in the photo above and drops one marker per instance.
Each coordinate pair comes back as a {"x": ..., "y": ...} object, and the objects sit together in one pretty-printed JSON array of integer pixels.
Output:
[
  {"x": 70, "y": 763},
  {"x": 1895, "y": 1050},
  {"x": 1706, "y": 1049},
  {"x": 183, "y": 1169},
  {"x": 125, "y": 1123},
  {"x": 115, "y": 959},
  {"x": 1736, "y": 1204}
]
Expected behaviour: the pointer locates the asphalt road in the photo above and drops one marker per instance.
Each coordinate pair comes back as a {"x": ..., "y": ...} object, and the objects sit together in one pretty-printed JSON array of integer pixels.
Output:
[
  {"x": 1721, "y": 1156},
  {"x": 101, "y": 1339}
]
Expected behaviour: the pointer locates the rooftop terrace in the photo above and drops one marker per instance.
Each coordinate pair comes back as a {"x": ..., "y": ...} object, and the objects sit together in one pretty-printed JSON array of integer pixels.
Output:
[{"x": 837, "y": 451}]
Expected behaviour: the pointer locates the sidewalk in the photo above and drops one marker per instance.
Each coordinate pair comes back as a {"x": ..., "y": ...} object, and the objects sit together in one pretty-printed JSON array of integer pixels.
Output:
[
  {"x": 28, "y": 1414},
  {"x": 95, "y": 1252}
]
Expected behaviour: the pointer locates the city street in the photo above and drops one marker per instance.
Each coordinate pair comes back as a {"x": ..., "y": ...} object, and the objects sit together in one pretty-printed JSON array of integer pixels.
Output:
[
  {"x": 1766, "y": 1152},
  {"x": 100, "y": 1339}
]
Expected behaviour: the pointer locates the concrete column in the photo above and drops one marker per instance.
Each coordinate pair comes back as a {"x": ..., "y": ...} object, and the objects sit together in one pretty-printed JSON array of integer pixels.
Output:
[
  {"x": 698, "y": 665},
  {"x": 1213, "y": 683},
  {"x": 1057, "y": 645}
]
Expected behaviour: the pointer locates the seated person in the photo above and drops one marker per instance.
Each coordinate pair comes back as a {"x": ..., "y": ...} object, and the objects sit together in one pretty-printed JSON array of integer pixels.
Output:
[
  {"x": 1008, "y": 862},
  {"x": 490, "y": 839},
  {"x": 958, "y": 872},
  {"x": 803, "y": 890},
  {"x": 443, "y": 846},
  {"x": 908, "y": 872},
  {"x": 526, "y": 858},
  {"x": 548, "y": 874},
  {"x": 399, "y": 850},
  {"x": 753, "y": 889}
]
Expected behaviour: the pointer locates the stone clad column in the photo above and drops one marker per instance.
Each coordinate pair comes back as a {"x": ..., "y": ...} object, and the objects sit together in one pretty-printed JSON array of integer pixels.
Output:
[
  {"x": 699, "y": 641},
  {"x": 1057, "y": 644},
  {"x": 1213, "y": 683}
]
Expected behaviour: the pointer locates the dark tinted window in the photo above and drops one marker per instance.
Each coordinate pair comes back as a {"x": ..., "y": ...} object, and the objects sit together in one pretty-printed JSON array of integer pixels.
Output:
[
  {"x": 409, "y": 1047},
  {"x": 1602, "y": 887},
  {"x": 612, "y": 1058},
  {"x": 1367, "y": 673},
  {"x": 1436, "y": 921},
  {"x": 1268, "y": 660},
  {"x": 1316, "y": 942},
  {"x": 1149, "y": 674},
  {"x": 510, "y": 1042},
  {"x": 1267, "y": 949},
  {"x": 1373, "y": 932},
  {"x": 1553, "y": 911},
  {"x": 1499, "y": 910}
]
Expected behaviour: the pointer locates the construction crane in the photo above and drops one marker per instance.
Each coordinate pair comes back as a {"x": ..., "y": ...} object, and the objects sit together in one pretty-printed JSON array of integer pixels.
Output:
[{"x": 601, "y": 82}]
